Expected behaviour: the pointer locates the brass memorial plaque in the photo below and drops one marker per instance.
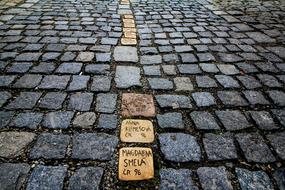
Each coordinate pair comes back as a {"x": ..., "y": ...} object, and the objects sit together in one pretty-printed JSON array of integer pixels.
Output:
[
  {"x": 137, "y": 130},
  {"x": 135, "y": 163}
]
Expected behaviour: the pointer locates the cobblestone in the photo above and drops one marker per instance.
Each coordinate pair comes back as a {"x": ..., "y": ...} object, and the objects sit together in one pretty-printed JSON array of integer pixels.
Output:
[
  {"x": 86, "y": 178},
  {"x": 47, "y": 177},
  {"x": 176, "y": 179},
  {"x": 49, "y": 146},
  {"x": 100, "y": 146},
  {"x": 179, "y": 147},
  {"x": 214, "y": 177},
  {"x": 14, "y": 143},
  {"x": 209, "y": 75},
  {"x": 220, "y": 147},
  {"x": 252, "y": 179},
  {"x": 254, "y": 148},
  {"x": 170, "y": 120},
  {"x": 13, "y": 176}
]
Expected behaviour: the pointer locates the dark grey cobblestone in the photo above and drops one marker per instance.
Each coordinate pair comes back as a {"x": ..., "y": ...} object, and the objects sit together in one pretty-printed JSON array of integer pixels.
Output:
[
  {"x": 214, "y": 178},
  {"x": 220, "y": 147},
  {"x": 176, "y": 179},
  {"x": 170, "y": 120},
  {"x": 94, "y": 146},
  {"x": 84, "y": 120},
  {"x": 179, "y": 147},
  {"x": 50, "y": 146},
  {"x": 255, "y": 148},
  {"x": 253, "y": 179},
  {"x": 60, "y": 119},
  {"x": 47, "y": 177},
  {"x": 13, "y": 176},
  {"x": 86, "y": 178}
]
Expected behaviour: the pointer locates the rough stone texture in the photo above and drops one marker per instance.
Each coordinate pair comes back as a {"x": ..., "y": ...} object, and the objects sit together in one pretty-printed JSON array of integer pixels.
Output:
[
  {"x": 26, "y": 100},
  {"x": 173, "y": 101},
  {"x": 214, "y": 178},
  {"x": 47, "y": 177},
  {"x": 50, "y": 146},
  {"x": 59, "y": 119},
  {"x": 171, "y": 179},
  {"x": 28, "y": 81},
  {"x": 219, "y": 147},
  {"x": 13, "y": 144},
  {"x": 52, "y": 100},
  {"x": 94, "y": 146},
  {"x": 54, "y": 82},
  {"x": 13, "y": 176},
  {"x": 183, "y": 84},
  {"x": 179, "y": 147},
  {"x": 277, "y": 141},
  {"x": 203, "y": 99},
  {"x": 233, "y": 120},
  {"x": 106, "y": 103},
  {"x": 255, "y": 148},
  {"x": 126, "y": 54},
  {"x": 80, "y": 101},
  {"x": 263, "y": 120},
  {"x": 279, "y": 176},
  {"x": 86, "y": 178},
  {"x": 27, "y": 120},
  {"x": 127, "y": 76},
  {"x": 101, "y": 84},
  {"x": 204, "y": 120},
  {"x": 170, "y": 120},
  {"x": 108, "y": 121},
  {"x": 84, "y": 120},
  {"x": 160, "y": 84},
  {"x": 4, "y": 97},
  {"x": 220, "y": 64},
  {"x": 251, "y": 180}
]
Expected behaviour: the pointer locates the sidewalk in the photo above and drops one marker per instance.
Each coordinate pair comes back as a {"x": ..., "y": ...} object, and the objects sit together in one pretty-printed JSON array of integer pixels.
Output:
[{"x": 201, "y": 81}]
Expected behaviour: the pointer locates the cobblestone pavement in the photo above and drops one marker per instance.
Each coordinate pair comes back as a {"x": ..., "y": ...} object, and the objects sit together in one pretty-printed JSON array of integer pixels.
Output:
[{"x": 215, "y": 69}]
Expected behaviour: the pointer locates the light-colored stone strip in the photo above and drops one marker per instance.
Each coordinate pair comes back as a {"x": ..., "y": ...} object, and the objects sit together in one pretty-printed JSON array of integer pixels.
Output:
[{"x": 129, "y": 26}]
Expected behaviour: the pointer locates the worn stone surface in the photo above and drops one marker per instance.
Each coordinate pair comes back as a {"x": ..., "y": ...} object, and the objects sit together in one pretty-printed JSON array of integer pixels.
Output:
[
  {"x": 106, "y": 103},
  {"x": 173, "y": 101},
  {"x": 214, "y": 178},
  {"x": 179, "y": 147},
  {"x": 215, "y": 70},
  {"x": 84, "y": 120},
  {"x": 49, "y": 146},
  {"x": 170, "y": 120},
  {"x": 253, "y": 179},
  {"x": 254, "y": 148},
  {"x": 13, "y": 144},
  {"x": 127, "y": 76},
  {"x": 13, "y": 176},
  {"x": 27, "y": 120},
  {"x": 277, "y": 141},
  {"x": 94, "y": 146},
  {"x": 176, "y": 179},
  {"x": 126, "y": 54},
  {"x": 233, "y": 120},
  {"x": 59, "y": 119},
  {"x": 204, "y": 120},
  {"x": 47, "y": 177},
  {"x": 86, "y": 178},
  {"x": 219, "y": 147}
]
